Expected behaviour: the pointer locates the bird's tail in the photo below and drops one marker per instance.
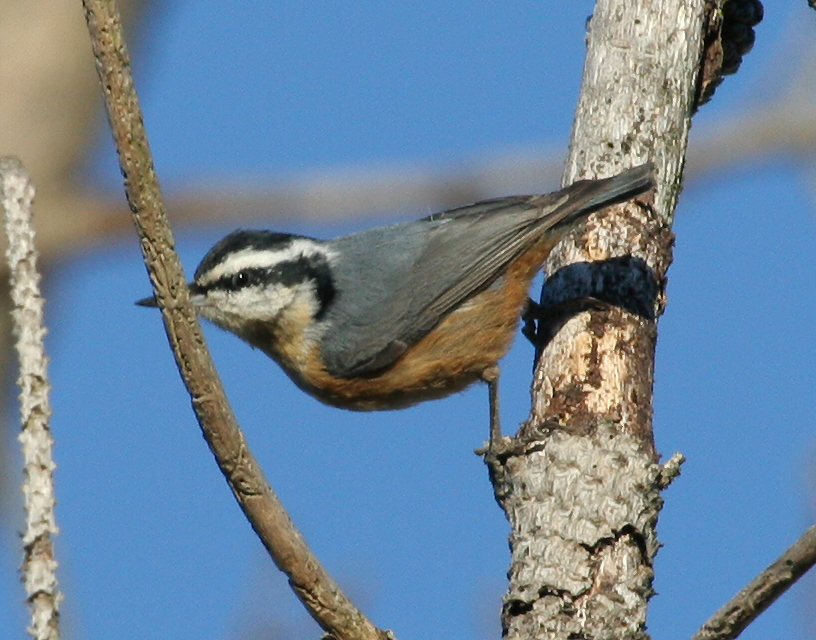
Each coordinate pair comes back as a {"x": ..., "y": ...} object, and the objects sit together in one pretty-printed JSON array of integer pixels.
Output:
[{"x": 591, "y": 195}]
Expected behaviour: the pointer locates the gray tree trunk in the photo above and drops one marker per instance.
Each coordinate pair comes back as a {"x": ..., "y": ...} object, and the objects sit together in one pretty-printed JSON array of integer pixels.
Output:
[{"x": 580, "y": 481}]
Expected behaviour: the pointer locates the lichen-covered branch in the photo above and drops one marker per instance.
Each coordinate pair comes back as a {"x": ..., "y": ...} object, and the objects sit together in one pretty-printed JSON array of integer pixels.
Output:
[{"x": 39, "y": 566}]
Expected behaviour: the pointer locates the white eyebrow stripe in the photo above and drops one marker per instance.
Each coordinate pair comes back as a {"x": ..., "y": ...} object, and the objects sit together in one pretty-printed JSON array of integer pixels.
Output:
[{"x": 251, "y": 258}]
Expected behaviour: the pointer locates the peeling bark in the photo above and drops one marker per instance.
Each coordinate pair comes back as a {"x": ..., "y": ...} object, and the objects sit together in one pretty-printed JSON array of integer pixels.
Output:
[{"x": 580, "y": 481}]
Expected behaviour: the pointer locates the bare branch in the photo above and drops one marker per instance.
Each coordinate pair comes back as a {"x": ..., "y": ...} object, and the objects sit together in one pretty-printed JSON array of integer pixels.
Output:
[
  {"x": 39, "y": 566},
  {"x": 729, "y": 621},
  {"x": 330, "y": 608}
]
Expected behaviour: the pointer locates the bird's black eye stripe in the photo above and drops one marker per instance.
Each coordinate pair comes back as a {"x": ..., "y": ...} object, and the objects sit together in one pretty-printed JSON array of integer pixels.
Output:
[
  {"x": 239, "y": 241},
  {"x": 290, "y": 273},
  {"x": 250, "y": 277},
  {"x": 324, "y": 285}
]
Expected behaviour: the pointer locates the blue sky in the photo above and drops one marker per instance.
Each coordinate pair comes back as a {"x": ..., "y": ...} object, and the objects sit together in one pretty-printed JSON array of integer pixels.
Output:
[{"x": 396, "y": 504}]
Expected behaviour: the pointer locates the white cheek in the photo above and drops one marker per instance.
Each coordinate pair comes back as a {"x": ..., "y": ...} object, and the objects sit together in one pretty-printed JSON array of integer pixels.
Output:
[
  {"x": 265, "y": 305},
  {"x": 231, "y": 310}
]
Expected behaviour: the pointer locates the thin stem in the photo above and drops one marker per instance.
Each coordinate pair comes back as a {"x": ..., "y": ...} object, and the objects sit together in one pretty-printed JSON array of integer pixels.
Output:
[
  {"x": 729, "y": 621},
  {"x": 321, "y": 596},
  {"x": 39, "y": 565}
]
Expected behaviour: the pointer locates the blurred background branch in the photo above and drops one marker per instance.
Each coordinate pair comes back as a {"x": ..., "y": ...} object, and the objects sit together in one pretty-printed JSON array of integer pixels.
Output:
[{"x": 52, "y": 69}]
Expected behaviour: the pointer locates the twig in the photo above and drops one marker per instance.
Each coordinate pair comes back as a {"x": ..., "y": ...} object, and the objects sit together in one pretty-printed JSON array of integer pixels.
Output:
[
  {"x": 330, "y": 608},
  {"x": 39, "y": 567},
  {"x": 762, "y": 591}
]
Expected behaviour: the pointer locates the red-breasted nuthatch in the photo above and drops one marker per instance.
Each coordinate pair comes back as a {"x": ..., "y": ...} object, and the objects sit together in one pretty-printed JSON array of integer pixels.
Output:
[{"x": 392, "y": 316}]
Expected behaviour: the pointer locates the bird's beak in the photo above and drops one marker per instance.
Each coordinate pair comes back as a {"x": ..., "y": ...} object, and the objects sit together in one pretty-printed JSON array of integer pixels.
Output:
[
  {"x": 195, "y": 298},
  {"x": 147, "y": 302}
]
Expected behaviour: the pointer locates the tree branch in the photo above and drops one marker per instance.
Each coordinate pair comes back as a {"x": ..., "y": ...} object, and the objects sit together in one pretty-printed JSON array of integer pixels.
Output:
[
  {"x": 729, "y": 621},
  {"x": 579, "y": 482},
  {"x": 39, "y": 566},
  {"x": 324, "y": 600}
]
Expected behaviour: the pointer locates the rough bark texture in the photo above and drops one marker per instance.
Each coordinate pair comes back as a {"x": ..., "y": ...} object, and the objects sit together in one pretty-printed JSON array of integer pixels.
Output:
[
  {"x": 579, "y": 483},
  {"x": 582, "y": 534},
  {"x": 39, "y": 564}
]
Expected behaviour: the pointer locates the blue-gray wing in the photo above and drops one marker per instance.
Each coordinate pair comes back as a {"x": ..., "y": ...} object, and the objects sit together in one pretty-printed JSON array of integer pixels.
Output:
[{"x": 395, "y": 283}]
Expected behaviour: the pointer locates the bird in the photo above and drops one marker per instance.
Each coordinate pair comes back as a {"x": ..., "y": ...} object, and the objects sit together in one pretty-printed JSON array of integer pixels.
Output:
[{"x": 391, "y": 316}]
